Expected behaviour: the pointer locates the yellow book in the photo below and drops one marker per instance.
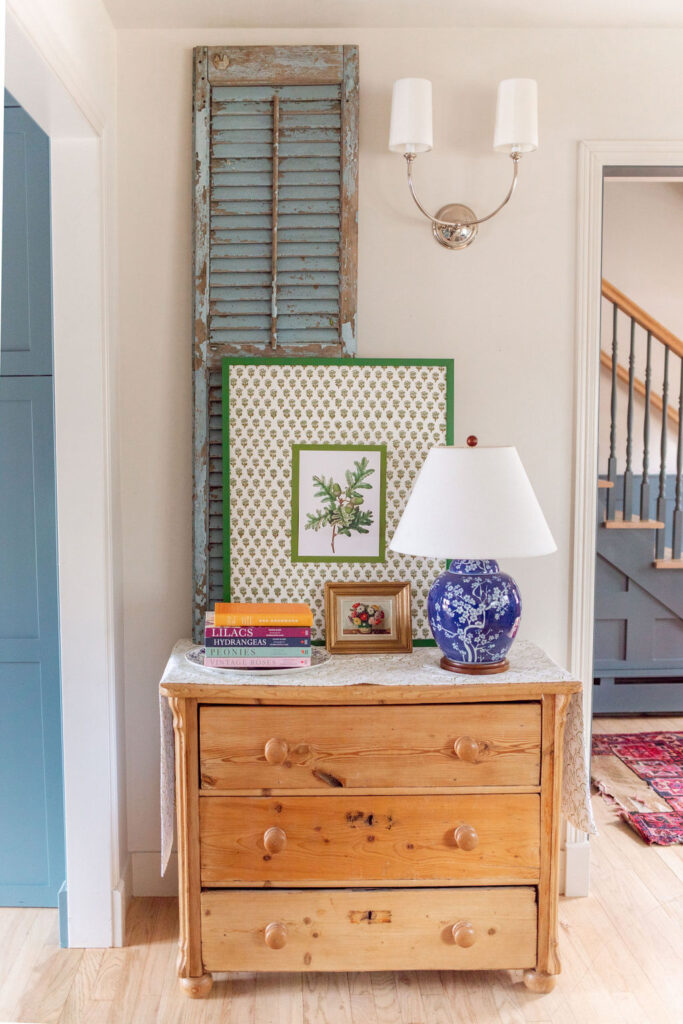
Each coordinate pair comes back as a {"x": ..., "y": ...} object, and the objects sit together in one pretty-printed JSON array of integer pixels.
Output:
[{"x": 235, "y": 614}]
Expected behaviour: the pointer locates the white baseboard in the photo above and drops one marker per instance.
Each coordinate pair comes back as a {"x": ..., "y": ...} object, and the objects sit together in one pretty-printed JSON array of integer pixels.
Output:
[
  {"x": 147, "y": 880},
  {"x": 120, "y": 899},
  {"x": 576, "y": 865}
]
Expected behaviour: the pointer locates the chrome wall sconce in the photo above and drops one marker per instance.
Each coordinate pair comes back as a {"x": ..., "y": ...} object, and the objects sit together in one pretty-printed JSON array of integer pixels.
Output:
[{"x": 455, "y": 226}]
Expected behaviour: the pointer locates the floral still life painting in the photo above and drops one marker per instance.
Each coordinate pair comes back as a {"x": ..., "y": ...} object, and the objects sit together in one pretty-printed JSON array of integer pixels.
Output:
[
  {"x": 366, "y": 618},
  {"x": 338, "y": 499}
]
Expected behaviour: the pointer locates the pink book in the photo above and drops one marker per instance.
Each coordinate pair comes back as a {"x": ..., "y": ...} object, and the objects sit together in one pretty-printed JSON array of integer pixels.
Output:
[
  {"x": 256, "y": 662},
  {"x": 212, "y": 630}
]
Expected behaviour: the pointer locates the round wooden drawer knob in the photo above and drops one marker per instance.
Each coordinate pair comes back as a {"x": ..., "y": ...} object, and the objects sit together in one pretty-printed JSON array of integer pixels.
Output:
[
  {"x": 464, "y": 934},
  {"x": 465, "y": 837},
  {"x": 275, "y": 840},
  {"x": 466, "y": 749},
  {"x": 276, "y": 751},
  {"x": 276, "y": 935}
]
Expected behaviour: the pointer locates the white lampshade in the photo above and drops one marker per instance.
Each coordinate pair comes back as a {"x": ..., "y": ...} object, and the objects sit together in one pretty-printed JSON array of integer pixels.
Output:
[
  {"x": 516, "y": 116},
  {"x": 473, "y": 503},
  {"x": 411, "y": 116}
]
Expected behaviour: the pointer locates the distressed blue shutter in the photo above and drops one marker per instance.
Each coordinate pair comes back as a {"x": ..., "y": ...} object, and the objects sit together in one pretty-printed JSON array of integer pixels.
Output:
[
  {"x": 275, "y": 223},
  {"x": 274, "y": 261}
]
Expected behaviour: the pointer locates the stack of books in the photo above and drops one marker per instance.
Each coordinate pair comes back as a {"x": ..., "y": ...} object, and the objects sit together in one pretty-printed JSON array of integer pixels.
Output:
[{"x": 258, "y": 636}]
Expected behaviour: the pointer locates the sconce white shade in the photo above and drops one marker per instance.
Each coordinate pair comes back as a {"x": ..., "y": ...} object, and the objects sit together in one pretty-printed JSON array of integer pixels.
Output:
[
  {"x": 516, "y": 116},
  {"x": 473, "y": 503},
  {"x": 411, "y": 116}
]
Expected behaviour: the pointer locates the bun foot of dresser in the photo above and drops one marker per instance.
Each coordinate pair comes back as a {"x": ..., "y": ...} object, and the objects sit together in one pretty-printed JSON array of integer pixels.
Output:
[
  {"x": 539, "y": 981},
  {"x": 196, "y": 988}
]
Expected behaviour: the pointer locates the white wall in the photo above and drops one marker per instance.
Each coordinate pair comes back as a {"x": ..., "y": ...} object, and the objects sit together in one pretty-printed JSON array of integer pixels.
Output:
[
  {"x": 642, "y": 255},
  {"x": 504, "y": 309},
  {"x": 78, "y": 40},
  {"x": 61, "y": 66},
  {"x": 642, "y": 245}
]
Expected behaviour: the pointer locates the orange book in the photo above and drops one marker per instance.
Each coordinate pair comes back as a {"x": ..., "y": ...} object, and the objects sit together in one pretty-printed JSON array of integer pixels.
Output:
[{"x": 235, "y": 614}]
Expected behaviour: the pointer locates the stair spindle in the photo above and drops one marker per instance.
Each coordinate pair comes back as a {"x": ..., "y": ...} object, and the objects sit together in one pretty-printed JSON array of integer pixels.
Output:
[
  {"x": 645, "y": 483},
  {"x": 628, "y": 472},
  {"x": 678, "y": 514},
  {"x": 660, "y": 542},
  {"x": 612, "y": 461}
]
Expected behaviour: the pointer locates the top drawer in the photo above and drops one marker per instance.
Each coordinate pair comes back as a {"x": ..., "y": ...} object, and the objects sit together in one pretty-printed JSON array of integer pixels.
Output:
[{"x": 387, "y": 747}]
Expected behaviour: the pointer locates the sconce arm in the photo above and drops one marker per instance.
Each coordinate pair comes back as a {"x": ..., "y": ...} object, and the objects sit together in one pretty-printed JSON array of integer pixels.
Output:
[{"x": 410, "y": 157}]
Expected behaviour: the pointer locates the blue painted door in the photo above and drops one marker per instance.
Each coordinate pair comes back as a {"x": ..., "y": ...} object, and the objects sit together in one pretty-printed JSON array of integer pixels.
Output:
[
  {"x": 32, "y": 867},
  {"x": 26, "y": 249}
]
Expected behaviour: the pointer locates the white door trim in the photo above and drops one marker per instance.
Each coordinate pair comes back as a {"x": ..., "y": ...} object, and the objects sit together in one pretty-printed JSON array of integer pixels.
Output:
[
  {"x": 40, "y": 75},
  {"x": 593, "y": 158}
]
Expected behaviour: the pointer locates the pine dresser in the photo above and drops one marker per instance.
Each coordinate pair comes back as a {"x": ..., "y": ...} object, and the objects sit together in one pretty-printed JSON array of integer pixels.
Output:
[{"x": 374, "y": 819}]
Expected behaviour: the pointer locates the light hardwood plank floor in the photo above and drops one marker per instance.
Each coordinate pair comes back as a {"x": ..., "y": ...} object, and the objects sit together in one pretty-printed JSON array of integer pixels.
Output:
[{"x": 621, "y": 950}]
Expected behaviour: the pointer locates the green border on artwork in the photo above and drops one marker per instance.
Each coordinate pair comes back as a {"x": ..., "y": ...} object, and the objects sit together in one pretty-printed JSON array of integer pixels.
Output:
[
  {"x": 229, "y": 361},
  {"x": 382, "y": 449}
]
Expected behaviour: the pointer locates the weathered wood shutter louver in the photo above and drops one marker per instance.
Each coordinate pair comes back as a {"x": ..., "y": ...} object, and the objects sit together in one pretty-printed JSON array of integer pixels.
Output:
[
  {"x": 274, "y": 271},
  {"x": 275, "y": 219}
]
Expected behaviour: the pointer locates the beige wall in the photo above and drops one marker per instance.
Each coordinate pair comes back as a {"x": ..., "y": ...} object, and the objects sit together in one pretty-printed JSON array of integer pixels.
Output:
[
  {"x": 504, "y": 310},
  {"x": 642, "y": 255}
]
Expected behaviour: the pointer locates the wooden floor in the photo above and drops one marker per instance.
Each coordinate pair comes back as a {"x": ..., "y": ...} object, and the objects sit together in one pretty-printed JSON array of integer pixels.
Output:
[{"x": 621, "y": 949}]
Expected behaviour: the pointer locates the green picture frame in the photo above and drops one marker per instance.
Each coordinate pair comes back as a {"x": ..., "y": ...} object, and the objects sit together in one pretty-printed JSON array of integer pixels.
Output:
[{"x": 365, "y": 528}]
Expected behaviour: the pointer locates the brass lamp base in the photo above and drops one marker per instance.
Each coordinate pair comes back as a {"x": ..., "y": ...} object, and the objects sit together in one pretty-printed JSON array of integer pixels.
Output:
[{"x": 484, "y": 669}]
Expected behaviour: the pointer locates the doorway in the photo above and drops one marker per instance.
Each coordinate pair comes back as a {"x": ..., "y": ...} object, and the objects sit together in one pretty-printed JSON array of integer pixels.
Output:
[
  {"x": 593, "y": 158},
  {"x": 638, "y": 658},
  {"x": 82, "y": 193},
  {"x": 32, "y": 857}
]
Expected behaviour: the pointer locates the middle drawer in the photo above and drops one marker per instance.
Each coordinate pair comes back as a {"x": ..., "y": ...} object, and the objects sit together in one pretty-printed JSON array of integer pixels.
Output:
[{"x": 345, "y": 840}]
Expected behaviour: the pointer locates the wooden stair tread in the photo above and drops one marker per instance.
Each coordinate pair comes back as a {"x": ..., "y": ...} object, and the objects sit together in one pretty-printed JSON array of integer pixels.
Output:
[
  {"x": 668, "y": 562},
  {"x": 605, "y": 484},
  {"x": 618, "y": 523}
]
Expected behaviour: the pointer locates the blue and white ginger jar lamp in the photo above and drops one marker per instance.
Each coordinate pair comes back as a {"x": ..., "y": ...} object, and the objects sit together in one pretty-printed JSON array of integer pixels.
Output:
[{"x": 468, "y": 504}]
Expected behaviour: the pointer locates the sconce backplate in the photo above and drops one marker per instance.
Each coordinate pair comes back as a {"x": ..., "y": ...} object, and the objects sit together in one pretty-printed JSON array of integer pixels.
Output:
[{"x": 463, "y": 234}]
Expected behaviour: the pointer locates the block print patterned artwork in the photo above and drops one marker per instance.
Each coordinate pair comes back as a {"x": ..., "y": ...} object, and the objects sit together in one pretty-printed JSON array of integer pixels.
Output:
[{"x": 272, "y": 406}]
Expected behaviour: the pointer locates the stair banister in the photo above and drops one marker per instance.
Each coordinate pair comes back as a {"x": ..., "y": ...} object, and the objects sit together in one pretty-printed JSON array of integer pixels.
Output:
[
  {"x": 660, "y": 542},
  {"x": 645, "y": 481},
  {"x": 612, "y": 461},
  {"x": 628, "y": 472},
  {"x": 647, "y": 322},
  {"x": 670, "y": 414},
  {"x": 678, "y": 513},
  {"x": 640, "y": 388}
]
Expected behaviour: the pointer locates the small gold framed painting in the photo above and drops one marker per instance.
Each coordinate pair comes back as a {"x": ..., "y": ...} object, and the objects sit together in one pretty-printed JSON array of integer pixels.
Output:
[{"x": 368, "y": 618}]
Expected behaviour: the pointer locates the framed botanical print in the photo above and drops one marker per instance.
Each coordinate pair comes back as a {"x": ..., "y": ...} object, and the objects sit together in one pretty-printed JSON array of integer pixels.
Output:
[
  {"x": 370, "y": 618},
  {"x": 338, "y": 502}
]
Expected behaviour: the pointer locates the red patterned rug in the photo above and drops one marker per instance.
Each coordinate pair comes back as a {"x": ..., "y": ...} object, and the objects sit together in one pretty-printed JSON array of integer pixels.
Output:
[{"x": 649, "y": 791}]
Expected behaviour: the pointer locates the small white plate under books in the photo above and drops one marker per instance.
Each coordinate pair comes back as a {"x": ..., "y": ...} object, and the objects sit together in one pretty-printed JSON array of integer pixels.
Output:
[{"x": 319, "y": 655}]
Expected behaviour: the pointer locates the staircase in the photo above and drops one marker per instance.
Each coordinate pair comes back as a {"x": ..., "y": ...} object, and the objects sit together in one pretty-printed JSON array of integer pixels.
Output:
[{"x": 638, "y": 664}]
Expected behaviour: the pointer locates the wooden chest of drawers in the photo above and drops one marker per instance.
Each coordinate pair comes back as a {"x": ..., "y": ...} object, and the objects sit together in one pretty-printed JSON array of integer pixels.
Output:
[{"x": 365, "y": 827}]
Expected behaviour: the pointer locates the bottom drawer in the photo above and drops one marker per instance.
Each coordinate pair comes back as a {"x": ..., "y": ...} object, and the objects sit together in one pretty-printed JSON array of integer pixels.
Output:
[{"x": 369, "y": 929}]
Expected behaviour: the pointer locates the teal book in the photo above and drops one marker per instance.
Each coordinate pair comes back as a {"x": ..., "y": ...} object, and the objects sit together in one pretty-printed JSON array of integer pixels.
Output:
[{"x": 255, "y": 652}]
